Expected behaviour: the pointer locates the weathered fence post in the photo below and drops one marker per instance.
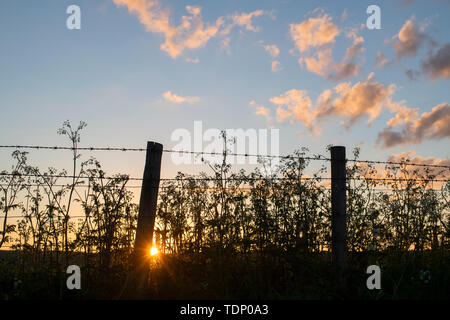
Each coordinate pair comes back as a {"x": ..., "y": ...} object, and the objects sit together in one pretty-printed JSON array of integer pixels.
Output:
[
  {"x": 147, "y": 214},
  {"x": 338, "y": 213}
]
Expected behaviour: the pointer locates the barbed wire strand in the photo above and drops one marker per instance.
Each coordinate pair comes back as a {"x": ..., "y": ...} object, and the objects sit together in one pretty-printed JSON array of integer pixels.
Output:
[
  {"x": 399, "y": 163},
  {"x": 164, "y": 150},
  {"x": 124, "y": 177},
  {"x": 319, "y": 157}
]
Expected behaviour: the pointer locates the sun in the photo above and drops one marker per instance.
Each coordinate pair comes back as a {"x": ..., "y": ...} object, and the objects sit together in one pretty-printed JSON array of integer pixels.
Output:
[{"x": 153, "y": 251}]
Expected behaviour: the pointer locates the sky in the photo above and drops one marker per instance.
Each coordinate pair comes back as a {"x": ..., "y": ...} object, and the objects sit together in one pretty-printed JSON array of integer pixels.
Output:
[{"x": 138, "y": 70}]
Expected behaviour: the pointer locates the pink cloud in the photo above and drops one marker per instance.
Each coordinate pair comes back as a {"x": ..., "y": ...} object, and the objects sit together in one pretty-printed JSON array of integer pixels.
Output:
[
  {"x": 315, "y": 37},
  {"x": 174, "y": 98},
  {"x": 192, "y": 32},
  {"x": 431, "y": 125}
]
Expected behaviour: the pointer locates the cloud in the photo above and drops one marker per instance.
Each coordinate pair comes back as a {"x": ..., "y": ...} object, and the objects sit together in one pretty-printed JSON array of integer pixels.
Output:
[
  {"x": 430, "y": 125},
  {"x": 192, "y": 32},
  {"x": 295, "y": 105},
  {"x": 403, "y": 114},
  {"x": 319, "y": 64},
  {"x": 272, "y": 50},
  {"x": 315, "y": 37},
  {"x": 225, "y": 45},
  {"x": 347, "y": 68},
  {"x": 352, "y": 102},
  {"x": 344, "y": 70},
  {"x": 243, "y": 20},
  {"x": 380, "y": 60},
  {"x": 196, "y": 60},
  {"x": 412, "y": 74},
  {"x": 357, "y": 43},
  {"x": 408, "y": 40},
  {"x": 174, "y": 98},
  {"x": 276, "y": 66},
  {"x": 367, "y": 98},
  {"x": 353, "y": 51},
  {"x": 438, "y": 65},
  {"x": 261, "y": 110},
  {"x": 314, "y": 32}
]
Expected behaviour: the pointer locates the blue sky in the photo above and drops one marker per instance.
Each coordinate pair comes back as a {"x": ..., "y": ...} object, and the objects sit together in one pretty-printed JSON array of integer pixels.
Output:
[{"x": 113, "y": 73}]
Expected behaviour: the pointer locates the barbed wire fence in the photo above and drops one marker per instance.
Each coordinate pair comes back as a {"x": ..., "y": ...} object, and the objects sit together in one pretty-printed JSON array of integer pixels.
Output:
[
  {"x": 79, "y": 184},
  {"x": 406, "y": 162}
]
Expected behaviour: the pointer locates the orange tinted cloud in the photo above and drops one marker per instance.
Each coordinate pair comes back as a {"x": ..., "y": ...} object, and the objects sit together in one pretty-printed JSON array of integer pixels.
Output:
[
  {"x": 357, "y": 47},
  {"x": 149, "y": 13},
  {"x": 315, "y": 38},
  {"x": 319, "y": 64},
  {"x": 295, "y": 105},
  {"x": 367, "y": 98},
  {"x": 191, "y": 33},
  {"x": 243, "y": 20},
  {"x": 173, "y": 97},
  {"x": 276, "y": 66},
  {"x": 352, "y": 102},
  {"x": 347, "y": 68},
  {"x": 380, "y": 60},
  {"x": 261, "y": 110},
  {"x": 408, "y": 40},
  {"x": 314, "y": 32},
  {"x": 430, "y": 125},
  {"x": 272, "y": 50}
]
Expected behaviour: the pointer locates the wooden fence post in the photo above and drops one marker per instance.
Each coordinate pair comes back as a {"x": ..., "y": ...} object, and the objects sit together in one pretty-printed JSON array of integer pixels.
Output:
[
  {"x": 147, "y": 214},
  {"x": 338, "y": 212}
]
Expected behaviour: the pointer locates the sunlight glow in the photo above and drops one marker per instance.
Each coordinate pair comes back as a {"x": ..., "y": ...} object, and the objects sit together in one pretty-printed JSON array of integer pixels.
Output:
[{"x": 153, "y": 251}]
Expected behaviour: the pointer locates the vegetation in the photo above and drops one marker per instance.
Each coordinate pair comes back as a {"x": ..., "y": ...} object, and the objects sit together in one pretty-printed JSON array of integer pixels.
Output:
[{"x": 225, "y": 234}]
